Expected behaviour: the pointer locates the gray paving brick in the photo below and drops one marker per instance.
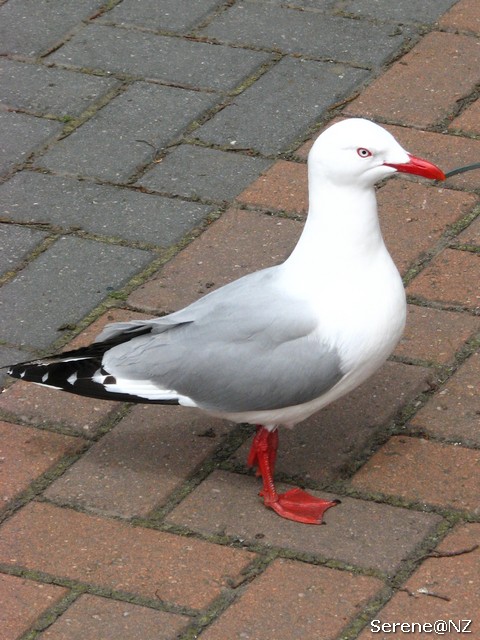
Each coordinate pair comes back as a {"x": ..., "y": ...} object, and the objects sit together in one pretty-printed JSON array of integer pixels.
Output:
[
  {"x": 363, "y": 533},
  {"x": 272, "y": 113},
  {"x": 61, "y": 286},
  {"x": 45, "y": 90},
  {"x": 117, "y": 140},
  {"x": 427, "y": 11},
  {"x": 33, "y": 27},
  {"x": 100, "y": 209},
  {"x": 306, "y": 4},
  {"x": 205, "y": 173},
  {"x": 168, "y": 15},
  {"x": 169, "y": 59},
  {"x": 16, "y": 243},
  {"x": 315, "y": 34},
  {"x": 20, "y": 134}
]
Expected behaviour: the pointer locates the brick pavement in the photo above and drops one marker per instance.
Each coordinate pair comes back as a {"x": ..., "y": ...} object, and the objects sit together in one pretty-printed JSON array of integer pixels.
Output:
[{"x": 151, "y": 152}]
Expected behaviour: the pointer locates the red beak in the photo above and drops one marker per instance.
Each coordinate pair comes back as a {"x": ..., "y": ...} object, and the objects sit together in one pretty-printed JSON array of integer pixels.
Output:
[{"x": 419, "y": 167}]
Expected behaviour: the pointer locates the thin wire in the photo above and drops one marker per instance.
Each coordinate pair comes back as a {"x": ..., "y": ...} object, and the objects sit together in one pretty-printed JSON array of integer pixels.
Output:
[{"x": 469, "y": 167}]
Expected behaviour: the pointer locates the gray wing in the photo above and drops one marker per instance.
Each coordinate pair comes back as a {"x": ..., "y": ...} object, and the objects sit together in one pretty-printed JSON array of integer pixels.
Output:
[{"x": 244, "y": 347}]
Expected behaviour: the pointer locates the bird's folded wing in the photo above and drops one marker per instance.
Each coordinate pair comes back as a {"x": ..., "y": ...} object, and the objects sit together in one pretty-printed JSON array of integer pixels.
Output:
[{"x": 251, "y": 348}]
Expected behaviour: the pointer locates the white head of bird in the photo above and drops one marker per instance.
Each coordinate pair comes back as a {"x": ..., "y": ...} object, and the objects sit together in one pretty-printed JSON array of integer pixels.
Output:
[{"x": 359, "y": 153}]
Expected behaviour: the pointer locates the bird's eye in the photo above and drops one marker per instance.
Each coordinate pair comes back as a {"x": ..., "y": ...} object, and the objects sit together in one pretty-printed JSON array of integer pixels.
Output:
[{"x": 364, "y": 153}]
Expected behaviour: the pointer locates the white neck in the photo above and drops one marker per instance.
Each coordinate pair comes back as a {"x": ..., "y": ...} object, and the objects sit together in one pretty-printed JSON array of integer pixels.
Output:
[{"x": 341, "y": 230}]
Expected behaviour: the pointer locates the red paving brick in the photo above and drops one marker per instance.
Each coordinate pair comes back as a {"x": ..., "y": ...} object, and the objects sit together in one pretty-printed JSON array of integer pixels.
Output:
[
  {"x": 295, "y": 600},
  {"x": 451, "y": 278},
  {"x": 468, "y": 121},
  {"x": 228, "y": 503},
  {"x": 22, "y": 602},
  {"x": 93, "y": 618},
  {"x": 282, "y": 188},
  {"x": 115, "y": 555},
  {"x": 463, "y": 16},
  {"x": 26, "y": 453},
  {"x": 471, "y": 235},
  {"x": 423, "y": 471},
  {"x": 434, "y": 335},
  {"x": 137, "y": 465},
  {"x": 414, "y": 216},
  {"x": 418, "y": 89},
  {"x": 323, "y": 447},
  {"x": 454, "y": 411},
  {"x": 41, "y": 406},
  {"x": 236, "y": 244},
  {"x": 453, "y": 584}
]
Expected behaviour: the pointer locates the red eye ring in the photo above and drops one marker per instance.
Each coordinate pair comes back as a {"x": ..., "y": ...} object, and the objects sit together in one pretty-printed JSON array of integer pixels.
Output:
[{"x": 364, "y": 153}]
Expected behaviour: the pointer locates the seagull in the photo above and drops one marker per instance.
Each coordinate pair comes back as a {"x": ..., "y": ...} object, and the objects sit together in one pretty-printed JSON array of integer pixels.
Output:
[{"x": 276, "y": 345}]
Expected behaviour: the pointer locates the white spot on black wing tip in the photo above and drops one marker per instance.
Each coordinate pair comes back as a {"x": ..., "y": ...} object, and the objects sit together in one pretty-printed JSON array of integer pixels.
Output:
[
  {"x": 73, "y": 378},
  {"x": 45, "y": 377}
]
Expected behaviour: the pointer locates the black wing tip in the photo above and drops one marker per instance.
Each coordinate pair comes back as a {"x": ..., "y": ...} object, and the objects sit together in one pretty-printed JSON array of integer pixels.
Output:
[
  {"x": 56, "y": 376},
  {"x": 17, "y": 370}
]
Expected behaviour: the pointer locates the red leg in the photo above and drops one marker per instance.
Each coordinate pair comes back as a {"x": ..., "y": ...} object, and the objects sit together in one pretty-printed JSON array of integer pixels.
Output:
[
  {"x": 252, "y": 459},
  {"x": 272, "y": 447},
  {"x": 296, "y": 504}
]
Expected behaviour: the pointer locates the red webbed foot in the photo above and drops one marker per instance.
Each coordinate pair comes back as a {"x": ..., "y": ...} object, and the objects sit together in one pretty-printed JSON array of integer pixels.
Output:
[
  {"x": 296, "y": 504},
  {"x": 300, "y": 506}
]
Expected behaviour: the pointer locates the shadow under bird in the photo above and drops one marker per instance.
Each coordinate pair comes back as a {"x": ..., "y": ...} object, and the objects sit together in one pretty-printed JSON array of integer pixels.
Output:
[{"x": 277, "y": 345}]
